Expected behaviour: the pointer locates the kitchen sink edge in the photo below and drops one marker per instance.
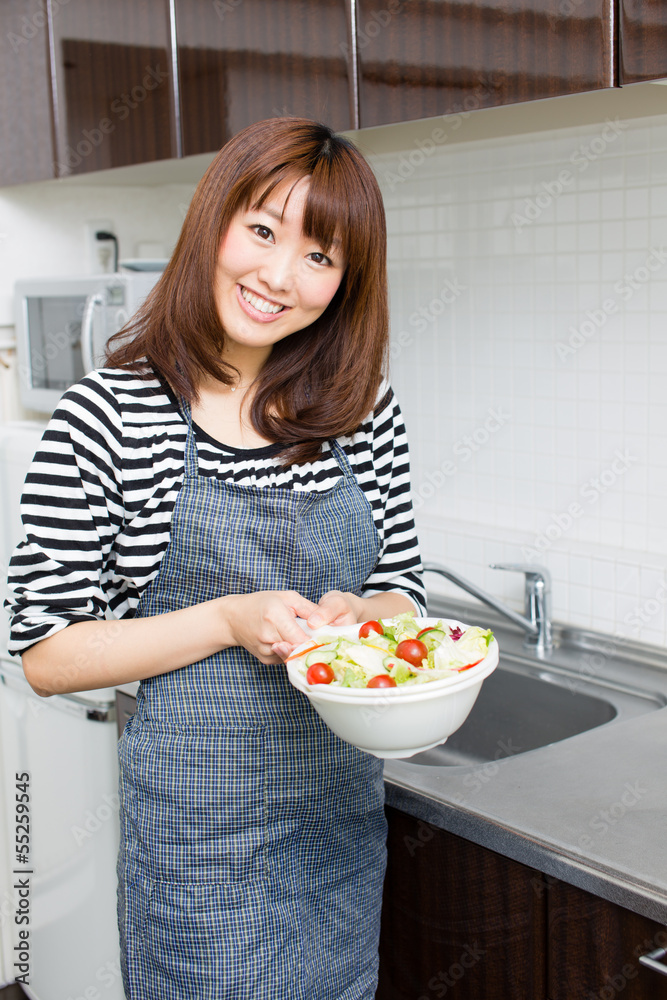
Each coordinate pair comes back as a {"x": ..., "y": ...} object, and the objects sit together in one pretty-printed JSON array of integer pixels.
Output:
[{"x": 590, "y": 809}]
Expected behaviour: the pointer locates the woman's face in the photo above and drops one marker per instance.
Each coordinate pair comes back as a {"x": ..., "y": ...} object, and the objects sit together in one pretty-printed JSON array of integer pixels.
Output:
[{"x": 271, "y": 280}]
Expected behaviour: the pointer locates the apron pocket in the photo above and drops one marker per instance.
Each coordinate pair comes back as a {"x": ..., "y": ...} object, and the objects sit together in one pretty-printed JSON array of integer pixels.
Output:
[{"x": 199, "y": 802}]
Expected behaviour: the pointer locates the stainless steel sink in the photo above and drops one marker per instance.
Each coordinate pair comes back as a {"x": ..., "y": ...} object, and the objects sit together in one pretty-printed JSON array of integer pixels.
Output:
[{"x": 525, "y": 705}]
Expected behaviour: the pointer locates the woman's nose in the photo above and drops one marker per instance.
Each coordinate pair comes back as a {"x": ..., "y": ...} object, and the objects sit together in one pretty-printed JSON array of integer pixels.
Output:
[{"x": 277, "y": 272}]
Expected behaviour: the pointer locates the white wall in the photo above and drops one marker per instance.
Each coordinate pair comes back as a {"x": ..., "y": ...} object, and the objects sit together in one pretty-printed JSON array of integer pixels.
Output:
[
  {"x": 529, "y": 322},
  {"x": 532, "y": 373},
  {"x": 43, "y": 232}
]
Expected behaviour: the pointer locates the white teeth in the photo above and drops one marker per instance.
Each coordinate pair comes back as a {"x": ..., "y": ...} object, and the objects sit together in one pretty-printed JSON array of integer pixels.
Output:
[{"x": 260, "y": 304}]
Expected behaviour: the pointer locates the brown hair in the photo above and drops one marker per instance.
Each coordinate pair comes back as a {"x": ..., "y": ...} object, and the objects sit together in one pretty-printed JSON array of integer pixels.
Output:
[{"x": 320, "y": 382}]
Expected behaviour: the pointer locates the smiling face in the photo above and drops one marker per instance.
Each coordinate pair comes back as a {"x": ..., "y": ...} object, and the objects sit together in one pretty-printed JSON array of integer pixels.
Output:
[{"x": 271, "y": 280}]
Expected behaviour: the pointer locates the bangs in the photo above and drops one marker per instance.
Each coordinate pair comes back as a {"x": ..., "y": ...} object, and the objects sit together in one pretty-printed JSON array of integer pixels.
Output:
[
  {"x": 329, "y": 219},
  {"x": 343, "y": 210}
]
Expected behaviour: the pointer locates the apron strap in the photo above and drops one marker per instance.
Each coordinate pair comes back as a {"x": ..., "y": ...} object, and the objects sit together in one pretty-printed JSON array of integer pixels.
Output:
[
  {"x": 341, "y": 457},
  {"x": 191, "y": 456}
]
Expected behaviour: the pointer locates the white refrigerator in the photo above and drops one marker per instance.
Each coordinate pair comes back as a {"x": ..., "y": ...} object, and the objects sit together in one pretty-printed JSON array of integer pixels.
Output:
[{"x": 59, "y": 808}]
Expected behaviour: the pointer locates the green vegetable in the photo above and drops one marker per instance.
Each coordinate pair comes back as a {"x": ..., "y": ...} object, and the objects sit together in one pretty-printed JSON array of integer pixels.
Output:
[{"x": 355, "y": 661}]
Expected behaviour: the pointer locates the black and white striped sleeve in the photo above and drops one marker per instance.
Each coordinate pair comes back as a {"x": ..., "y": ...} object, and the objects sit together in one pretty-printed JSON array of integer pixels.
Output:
[
  {"x": 399, "y": 567},
  {"x": 71, "y": 509}
]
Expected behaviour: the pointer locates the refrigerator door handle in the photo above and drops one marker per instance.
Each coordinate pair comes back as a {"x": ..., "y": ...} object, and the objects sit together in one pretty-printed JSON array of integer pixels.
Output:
[{"x": 65, "y": 703}]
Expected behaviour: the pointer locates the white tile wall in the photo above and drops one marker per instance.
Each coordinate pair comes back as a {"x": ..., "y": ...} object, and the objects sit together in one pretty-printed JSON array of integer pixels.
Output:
[
  {"x": 529, "y": 324},
  {"x": 43, "y": 233},
  {"x": 43, "y": 227}
]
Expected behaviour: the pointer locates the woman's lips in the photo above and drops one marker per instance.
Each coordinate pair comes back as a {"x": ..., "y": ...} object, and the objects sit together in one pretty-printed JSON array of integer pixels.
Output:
[{"x": 250, "y": 310}]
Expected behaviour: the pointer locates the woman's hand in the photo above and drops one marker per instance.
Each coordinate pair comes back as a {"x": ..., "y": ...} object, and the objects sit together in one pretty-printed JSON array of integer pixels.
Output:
[
  {"x": 339, "y": 608},
  {"x": 336, "y": 608},
  {"x": 264, "y": 623}
]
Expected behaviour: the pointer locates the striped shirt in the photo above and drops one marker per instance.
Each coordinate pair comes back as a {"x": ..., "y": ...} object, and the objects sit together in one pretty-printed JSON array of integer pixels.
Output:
[{"x": 100, "y": 494}]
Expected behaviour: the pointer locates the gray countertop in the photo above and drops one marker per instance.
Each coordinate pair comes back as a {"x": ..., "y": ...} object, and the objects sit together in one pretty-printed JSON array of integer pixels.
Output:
[{"x": 590, "y": 810}]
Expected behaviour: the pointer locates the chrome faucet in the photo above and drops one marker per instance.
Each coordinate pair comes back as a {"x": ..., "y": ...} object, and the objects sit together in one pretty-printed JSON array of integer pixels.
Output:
[{"x": 536, "y": 620}]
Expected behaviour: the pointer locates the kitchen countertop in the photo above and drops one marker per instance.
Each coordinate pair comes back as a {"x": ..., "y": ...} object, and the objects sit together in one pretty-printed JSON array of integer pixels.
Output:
[{"x": 590, "y": 810}]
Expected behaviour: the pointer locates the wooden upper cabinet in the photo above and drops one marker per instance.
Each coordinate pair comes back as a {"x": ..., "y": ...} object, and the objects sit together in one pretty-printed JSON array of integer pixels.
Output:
[
  {"x": 113, "y": 84},
  {"x": 26, "y": 123},
  {"x": 422, "y": 58},
  {"x": 643, "y": 40},
  {"x": 240, "y": 61}
]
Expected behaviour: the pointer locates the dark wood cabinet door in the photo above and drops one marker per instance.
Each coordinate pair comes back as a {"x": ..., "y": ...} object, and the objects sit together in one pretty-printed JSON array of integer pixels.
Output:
[
  {"x": 458, "y": 920},
  {"x": 422, "y": 58},
  {"x": 643, "y": 40},
  {"x": 26, "y": 121},
  {"x": 242, "y": 61},
  {"x": 113, "y": 80},
  {"x": 594, "y": 948}
]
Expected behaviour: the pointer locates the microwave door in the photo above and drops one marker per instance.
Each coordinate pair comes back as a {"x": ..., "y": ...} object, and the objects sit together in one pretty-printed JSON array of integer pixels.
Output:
[{"x": 54, "y": 349}]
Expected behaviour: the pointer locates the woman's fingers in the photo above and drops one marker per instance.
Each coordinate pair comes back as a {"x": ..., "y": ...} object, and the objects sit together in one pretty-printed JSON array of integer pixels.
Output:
[
  {"x": 334, "y": 608},
  {"x": 265, "y": 623}
]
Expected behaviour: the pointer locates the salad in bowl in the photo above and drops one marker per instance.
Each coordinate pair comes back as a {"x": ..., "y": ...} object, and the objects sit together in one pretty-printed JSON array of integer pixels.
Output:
[
  {"x": 396, "y": 686},
  {"x": 394, "y": 652}
]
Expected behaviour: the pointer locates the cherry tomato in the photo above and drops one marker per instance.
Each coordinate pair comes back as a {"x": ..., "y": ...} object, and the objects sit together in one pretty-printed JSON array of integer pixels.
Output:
[
  {"x": 319, "y": 673},
  {"x": 368, "y": 627},
  {"x": 412, "y": 651},
  {"x": 381, "y": 681}
]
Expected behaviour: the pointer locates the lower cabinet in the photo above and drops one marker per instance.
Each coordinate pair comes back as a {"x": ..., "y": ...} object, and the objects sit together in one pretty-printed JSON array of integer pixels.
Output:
[{"x": 461, "y": 921}]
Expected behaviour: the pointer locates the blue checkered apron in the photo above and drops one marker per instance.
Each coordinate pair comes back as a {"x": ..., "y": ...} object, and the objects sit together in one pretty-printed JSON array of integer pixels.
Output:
[{"x": 252, "y": 839}]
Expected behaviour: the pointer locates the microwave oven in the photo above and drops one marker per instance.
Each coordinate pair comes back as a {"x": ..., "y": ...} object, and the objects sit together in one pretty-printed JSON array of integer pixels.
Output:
[{"x": 63, "y": 325}]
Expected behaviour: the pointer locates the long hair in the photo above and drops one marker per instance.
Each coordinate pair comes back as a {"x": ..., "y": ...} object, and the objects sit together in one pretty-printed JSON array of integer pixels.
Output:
[{"x": 319, "y": 382}]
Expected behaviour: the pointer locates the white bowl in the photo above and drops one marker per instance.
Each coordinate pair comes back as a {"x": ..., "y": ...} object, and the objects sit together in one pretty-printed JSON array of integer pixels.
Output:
[{"x": 400, "y": 721}]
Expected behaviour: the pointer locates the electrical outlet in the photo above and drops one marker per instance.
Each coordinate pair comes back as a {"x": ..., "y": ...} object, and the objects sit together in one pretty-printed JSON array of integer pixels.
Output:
[{"x": 99, "y": 253}]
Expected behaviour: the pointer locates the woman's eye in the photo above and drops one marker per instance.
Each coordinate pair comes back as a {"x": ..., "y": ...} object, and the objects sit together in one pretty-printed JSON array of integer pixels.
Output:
[
  {"x": 320, "y": 258},
  {"x": 263, "y": 232}
]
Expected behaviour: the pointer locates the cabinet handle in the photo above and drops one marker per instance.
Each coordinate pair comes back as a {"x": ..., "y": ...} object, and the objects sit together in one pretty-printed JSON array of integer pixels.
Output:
[{"x": 653, "y": 960}]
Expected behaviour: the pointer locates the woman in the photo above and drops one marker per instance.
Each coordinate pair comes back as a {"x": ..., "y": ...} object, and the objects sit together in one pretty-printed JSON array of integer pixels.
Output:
[{"x": 238, "y": 465}]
